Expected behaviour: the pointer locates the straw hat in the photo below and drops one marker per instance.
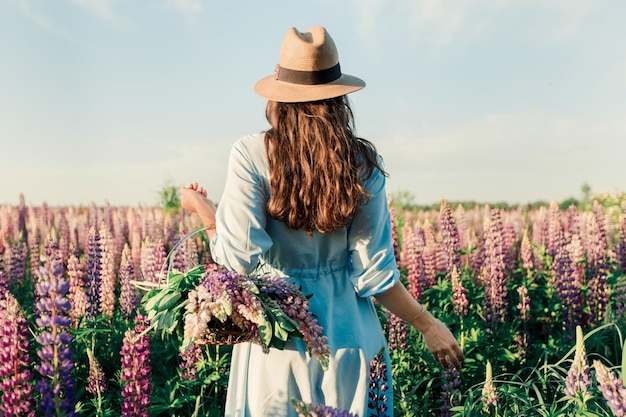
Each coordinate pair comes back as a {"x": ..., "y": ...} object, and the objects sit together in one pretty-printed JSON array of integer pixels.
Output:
[{"x": 308, "y": 70}]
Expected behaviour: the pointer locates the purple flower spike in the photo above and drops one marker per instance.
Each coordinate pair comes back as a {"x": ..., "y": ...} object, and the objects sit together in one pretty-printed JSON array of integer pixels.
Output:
[
  {"x": 612, "y": 388},
  {"x": 451, "y": 393},
  {"x": 379, "y": 386},
  {"x": 318, "y": 410},
  {"x": 56, "y": 365}
]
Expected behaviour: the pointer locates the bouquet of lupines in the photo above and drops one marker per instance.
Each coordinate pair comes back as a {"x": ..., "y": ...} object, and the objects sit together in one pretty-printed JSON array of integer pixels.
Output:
[{"x": 222, "y": 307}]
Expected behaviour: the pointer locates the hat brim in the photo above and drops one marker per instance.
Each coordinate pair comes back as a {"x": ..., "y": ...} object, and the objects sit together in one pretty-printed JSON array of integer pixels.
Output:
[{"x": 272, "y": 89}]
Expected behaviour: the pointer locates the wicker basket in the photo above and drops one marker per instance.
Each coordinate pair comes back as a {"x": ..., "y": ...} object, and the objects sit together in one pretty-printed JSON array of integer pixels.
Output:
[{"x": 226, "y": 333}]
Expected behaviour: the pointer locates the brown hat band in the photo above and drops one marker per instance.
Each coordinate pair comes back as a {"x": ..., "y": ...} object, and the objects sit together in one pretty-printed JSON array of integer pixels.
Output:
[{"x": 308, "y": 77}]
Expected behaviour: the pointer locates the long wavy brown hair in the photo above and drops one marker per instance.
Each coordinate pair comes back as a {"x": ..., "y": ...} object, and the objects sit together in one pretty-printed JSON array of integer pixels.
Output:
[{"x": 317, "y": 164}]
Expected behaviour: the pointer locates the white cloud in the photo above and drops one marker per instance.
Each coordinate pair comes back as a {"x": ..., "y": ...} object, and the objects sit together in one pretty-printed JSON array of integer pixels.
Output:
[
  {"x": 188, "y": 8},
  {"x": 444, "y": 22},
  {"x": 43, "y": 22},
  {"x": 104, "y": 10}
]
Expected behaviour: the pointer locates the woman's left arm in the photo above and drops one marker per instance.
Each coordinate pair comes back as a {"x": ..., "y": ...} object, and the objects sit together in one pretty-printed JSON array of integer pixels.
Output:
[{"x": 440, "y": 341}]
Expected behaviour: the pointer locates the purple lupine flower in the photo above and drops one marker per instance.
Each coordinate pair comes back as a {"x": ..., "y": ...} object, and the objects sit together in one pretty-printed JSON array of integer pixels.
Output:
[
  {"x": 128, "y": 292},
  {"x": 149, "y": 271},
  {"x": 187, "y": 256},
  {"x": 621, "y": 245},
  {"x": 493, "y": 272},
  {"x": 16, "y": 271},
  {"x": 567, "y": 288},
  {"x": 450, "y": 391},
  {"x": 107, "y": 273},
  {"x": 296, "y": 307},
  {"x": 459, "y": 294},
  {"x": 318, "y": 410},
  {"x": 577, "y": 382},
  {"x": 396, "y": 332},
  {"x": 15, "y": 361},
  {"x": 160, "y": 255},
  {"x": 597, "y": 278},
  {"x": 34, "y": 256},
  {"x": 379, "y": 392},
  {"x": 450, "y": 237},
  {"x": 56, "y": 365},
  {"x": 612, "y": 388},
  {"x": 94, "y": 265},
  {"x": 189, "y": 358},
  {"x": 489, "y": 394},
  {"x": 136, "y": 371},
  {"x": 97, "y": 379}
]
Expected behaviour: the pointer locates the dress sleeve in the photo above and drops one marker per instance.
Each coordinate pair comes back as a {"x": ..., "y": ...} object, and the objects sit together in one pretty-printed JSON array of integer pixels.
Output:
[
  {"x": 373, "y": 264},
  {"x": 241, "y": 217}
]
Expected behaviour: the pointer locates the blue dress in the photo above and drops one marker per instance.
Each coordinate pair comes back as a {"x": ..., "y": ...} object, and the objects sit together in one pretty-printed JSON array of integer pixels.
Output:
[{"x": 341, "y": 269}]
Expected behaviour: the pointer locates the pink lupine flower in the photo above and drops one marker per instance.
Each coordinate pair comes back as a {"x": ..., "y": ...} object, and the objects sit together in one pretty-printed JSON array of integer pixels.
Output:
[
  {"x": 450, "y": 237},
  {"x": 396, "y": 332},
  {"x": 597, "y": 278},
  {"x": 94, "y": 266},
  {"x": 136, "y": 371},
  {"x": 77, "y": 295},
  {"x": 107, "y": 273},
  {"x": 4, "y": 282},
  {"x": 15, "y": 361},
  {"x": 461, "y": 303},
  {"x": 555, "y": 229},
  {"x": 527, "y": 253},
  {"x": 489, "y": 394},
  {"x": 412, "y": 260},
  {"x": 493, "y": 272},
  {"x": 394, "y": 230}
]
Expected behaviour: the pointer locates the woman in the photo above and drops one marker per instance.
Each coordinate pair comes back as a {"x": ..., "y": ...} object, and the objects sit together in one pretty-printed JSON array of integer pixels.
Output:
[{"x": 306, "y": 199}]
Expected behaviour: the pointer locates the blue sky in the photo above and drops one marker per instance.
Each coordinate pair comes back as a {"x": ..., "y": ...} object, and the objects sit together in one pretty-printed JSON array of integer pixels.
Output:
[{"x": 485, "y": 100}]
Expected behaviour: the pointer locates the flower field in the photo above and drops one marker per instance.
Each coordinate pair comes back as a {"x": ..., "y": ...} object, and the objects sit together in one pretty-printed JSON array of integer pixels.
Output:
[{"x": 536, "y": 296}]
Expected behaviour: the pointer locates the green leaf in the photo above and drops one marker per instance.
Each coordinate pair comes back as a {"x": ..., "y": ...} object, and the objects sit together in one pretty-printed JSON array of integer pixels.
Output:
[
  {"x": 623, "y": 371},
  {"x": 265, "y": 333},
  {"x": 168, "y": 300}
]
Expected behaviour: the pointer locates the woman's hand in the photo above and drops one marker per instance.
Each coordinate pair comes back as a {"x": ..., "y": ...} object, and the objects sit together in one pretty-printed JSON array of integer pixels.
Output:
[
  {"x": 193, "y": 198},
  {"x": 442, "y": 344}
]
